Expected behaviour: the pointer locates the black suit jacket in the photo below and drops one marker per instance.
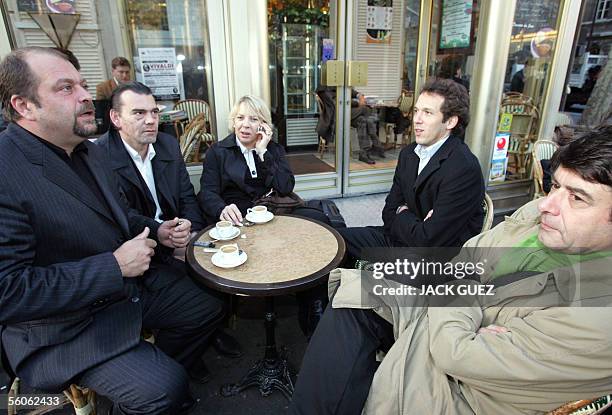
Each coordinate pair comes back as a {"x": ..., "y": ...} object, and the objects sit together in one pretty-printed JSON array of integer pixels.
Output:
[
  {"x": 451, "y": 184},
  {"x": 65, "y": 305},
  {"x": 174, "y": 190},
  {"x": 224, "y": 175}
]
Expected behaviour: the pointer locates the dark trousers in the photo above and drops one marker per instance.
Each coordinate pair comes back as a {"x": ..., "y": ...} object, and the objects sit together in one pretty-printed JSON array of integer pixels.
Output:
[
  {"x": 340, "y": 362},
  {"x": 152, "y": 379},
  {"x": 366, "y": 125},
  {"x": 311, "y": 302},
  {"x": 360, "y": 238}
]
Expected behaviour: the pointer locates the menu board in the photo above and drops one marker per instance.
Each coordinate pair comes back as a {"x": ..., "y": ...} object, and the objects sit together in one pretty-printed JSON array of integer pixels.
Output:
[
  {"x": 531, "y": 16},
  {"x": 456, "y": 24}
]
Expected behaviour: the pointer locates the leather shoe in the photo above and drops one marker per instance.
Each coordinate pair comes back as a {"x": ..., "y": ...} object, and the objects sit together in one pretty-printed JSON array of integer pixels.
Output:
[
  {"x": 199, "y": 373},
  {"x": 363, "y": 156},
  {"x": 226, "y": 345},
  {"x": 378, "y": 152}
]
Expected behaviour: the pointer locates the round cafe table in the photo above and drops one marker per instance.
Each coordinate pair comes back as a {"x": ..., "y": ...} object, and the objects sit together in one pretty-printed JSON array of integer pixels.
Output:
[{"x": 288, "y": 254}]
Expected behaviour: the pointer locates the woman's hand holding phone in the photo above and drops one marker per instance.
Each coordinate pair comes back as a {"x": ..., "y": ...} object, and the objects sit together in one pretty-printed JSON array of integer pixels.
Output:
[{"x": 264, "y": 135}]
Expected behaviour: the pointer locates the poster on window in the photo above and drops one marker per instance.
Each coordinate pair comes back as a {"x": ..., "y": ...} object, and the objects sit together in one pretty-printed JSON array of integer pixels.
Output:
[
  {"x": 53, "y": 6},
  {"x": 159, "y": 72},
  {"x": 499, "y": 161},
  {"x": 456, "y": 24},
  {"x": 379, "y": 21}
]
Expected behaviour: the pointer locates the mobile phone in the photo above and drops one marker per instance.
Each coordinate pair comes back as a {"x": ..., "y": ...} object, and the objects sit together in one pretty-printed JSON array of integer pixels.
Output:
[{"x": 204, "y": 244}]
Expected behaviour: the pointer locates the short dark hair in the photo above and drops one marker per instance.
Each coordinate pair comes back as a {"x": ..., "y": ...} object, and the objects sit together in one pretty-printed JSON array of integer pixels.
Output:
[
  {"x": 134, "y": 86},
  {"x": 590, "y": 156},
  {"x": 120, "y": 61},
  {"x": 17, "y": 77},
  {"x": 456, "y": 102}
]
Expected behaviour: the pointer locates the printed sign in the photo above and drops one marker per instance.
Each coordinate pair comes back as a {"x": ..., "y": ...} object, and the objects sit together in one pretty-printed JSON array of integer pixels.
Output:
[
  {"x": 505, "y": 122},
  {"x": 328, "y": 50},
  {"x": 159, "y": 72},
  {"x": 379, "y": 21},
  {"x": 456, "y": 24},
  {"x": 500, "y": 149},
  {"x": 499, "y": 161}
]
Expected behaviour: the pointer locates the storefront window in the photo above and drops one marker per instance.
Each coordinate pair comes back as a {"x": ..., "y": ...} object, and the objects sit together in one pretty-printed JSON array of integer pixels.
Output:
[
  {"x": 170, "y": 44},
  {"x": 532, "y": 47},
  {"x": 299, "y": 43},
  {"x": 453, "y": 40},
  {"x": 593, "y": 45}
]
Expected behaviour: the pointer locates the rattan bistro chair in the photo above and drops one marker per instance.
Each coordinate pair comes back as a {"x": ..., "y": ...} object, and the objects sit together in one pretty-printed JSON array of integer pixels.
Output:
[
  {"x": 487, "y": 205},
  {"x": 595, "y": 406},
  {"x": 525, "y": 116},
  {"x": 192, "y": 108}
]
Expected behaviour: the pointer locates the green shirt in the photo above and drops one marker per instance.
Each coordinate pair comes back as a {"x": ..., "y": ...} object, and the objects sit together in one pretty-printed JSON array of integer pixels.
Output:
[{"x": 532, "y": 255}]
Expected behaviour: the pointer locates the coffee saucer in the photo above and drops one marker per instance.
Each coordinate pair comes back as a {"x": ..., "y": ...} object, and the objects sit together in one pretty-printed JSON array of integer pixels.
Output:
[
  {"x": 263, "y": 218},
  {"x": 217, "y": 260},
  {"x": 215, "y": 235}
]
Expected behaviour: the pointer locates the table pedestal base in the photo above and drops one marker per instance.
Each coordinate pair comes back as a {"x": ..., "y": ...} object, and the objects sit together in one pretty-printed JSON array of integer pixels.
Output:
[{"x": 269, "y": 373}]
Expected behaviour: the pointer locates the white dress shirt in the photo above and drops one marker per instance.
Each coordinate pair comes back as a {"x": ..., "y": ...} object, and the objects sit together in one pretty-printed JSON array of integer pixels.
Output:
[
  {"x": 146, "y": 171},
  {"x": 426, "y": 153},
  {"x": 248, "y": 156}
]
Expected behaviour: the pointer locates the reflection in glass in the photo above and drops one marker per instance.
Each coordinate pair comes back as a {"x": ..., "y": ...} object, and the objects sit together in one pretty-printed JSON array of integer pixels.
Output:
[
  {"x": 297, "y": 32},
  {"x": 532, "y": 46},
  {"x": 177, "y": 24},
  {"x": 455, "y": 40}
]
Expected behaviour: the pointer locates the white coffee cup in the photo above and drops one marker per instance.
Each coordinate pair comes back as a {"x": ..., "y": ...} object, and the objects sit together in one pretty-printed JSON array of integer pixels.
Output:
[
  {"x": 229, "y": 253},
  {"x": 258, "y": 211},
  {"x": 225, "y": 228}
]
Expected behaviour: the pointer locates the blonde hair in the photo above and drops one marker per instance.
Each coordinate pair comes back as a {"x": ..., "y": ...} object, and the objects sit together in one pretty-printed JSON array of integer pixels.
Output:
[{"x": 255, "y": 106}]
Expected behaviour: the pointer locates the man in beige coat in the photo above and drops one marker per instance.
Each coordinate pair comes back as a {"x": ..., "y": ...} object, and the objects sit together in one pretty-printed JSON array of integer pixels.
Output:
[{"x": 541, "y": 338}]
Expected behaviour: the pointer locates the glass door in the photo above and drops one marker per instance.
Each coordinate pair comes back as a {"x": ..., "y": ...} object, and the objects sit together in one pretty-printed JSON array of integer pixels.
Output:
[
  {"x": 383, "y": 37},
  {"x": 301, "y": 37},
  {"x": 343, "y": 134}
]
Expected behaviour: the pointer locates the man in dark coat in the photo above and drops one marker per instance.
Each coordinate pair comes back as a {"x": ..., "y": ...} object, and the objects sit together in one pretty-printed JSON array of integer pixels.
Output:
[
  {"x": 152, "y": 175},
  {"x": 149, "y": 165},
  {"x": 76, "y": 280},
  {"x": 438, "y": 188}
]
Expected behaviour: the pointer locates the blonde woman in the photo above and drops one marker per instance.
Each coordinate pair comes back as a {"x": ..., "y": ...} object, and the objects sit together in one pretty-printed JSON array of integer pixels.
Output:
[{"x": 243, "y": 167}]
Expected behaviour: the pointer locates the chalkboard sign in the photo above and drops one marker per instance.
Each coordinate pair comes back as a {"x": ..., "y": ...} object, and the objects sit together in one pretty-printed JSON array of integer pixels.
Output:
[{"x": 531, "y": 16}]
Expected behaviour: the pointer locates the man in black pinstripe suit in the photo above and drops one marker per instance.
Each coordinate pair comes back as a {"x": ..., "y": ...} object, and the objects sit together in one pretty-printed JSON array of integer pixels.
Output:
[{"x": 76, "y": 279}]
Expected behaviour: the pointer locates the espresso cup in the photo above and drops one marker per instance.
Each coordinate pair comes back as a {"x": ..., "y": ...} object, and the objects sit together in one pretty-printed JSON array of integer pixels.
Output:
[
  {"x": 258, "y": 211},
  {"x": 229, "y": 253},
  {"x": 225, "y": 228}
]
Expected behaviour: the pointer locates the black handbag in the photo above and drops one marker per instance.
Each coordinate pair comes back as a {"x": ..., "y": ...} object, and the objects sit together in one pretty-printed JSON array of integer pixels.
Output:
[{"x": 279, "y": 204}]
